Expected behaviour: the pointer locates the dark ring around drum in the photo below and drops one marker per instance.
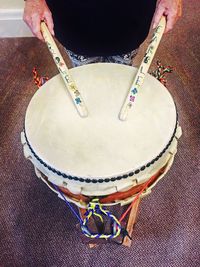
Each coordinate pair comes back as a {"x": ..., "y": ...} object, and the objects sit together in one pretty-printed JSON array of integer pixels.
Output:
[{"x": 106, "y": 180}]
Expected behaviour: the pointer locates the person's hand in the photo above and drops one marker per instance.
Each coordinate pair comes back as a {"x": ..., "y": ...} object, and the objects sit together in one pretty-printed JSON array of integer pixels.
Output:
[
  {"x": 34, "y": 12},
  {"x": 171, "y": 9}
]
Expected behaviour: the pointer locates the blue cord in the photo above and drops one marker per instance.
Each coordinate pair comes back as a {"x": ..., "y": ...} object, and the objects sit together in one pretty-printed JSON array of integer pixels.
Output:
[{"x": 67, "y": 202}]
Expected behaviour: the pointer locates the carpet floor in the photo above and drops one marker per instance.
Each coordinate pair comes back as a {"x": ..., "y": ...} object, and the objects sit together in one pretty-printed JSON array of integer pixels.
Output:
[{"x": 36, "y": 228}]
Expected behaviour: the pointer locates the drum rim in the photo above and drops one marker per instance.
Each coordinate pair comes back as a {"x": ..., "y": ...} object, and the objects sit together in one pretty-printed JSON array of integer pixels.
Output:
[{"x": 104, "y": 180}]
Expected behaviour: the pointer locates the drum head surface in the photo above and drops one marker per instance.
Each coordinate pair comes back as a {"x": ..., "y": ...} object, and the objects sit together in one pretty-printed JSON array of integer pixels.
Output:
[{"x": 100, "y": 145}]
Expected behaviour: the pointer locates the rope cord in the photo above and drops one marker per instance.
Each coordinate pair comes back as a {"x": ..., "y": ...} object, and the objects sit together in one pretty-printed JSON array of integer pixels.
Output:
[
  {"x": 67, "y": 202},
  {"x": 39, "y": 81},
  {"x": 96, "y": 209},
  {"x": 161, "y": 71},
  {"x": 136, "y": 198}
]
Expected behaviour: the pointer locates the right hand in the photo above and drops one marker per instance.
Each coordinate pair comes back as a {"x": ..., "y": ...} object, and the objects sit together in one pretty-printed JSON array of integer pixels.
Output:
[
  {"x": 171, "y": 9},
  {"x": 34, "y": 12}
]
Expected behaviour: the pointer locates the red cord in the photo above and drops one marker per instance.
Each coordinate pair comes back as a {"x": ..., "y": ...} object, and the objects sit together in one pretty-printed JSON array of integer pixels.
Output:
[
  {"x": 136, "y": 198},
  {"x": 39, "y": 81}
]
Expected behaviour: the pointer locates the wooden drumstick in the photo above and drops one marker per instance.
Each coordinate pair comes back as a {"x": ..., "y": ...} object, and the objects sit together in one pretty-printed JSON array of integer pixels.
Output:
[
  {"x": 64, "y": 71},
  {"x": 143, "y": 69}
]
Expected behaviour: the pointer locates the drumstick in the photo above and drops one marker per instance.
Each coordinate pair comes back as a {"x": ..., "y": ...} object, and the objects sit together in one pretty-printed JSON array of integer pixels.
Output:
[
  {"x": 143, "y": 69},
  {"x": 64, "y": 71}
]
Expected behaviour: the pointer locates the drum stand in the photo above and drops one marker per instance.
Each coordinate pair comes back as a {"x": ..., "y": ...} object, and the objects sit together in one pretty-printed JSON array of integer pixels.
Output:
[
  {"x": 131, "y": 222},
  {"x": 126, "y": 241}
]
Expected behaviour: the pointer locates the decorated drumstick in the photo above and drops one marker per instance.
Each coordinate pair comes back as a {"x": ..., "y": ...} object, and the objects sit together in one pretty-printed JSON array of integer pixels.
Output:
[
  {"x": 143, "y": 69},
  {"x": 64, "y": 71}
]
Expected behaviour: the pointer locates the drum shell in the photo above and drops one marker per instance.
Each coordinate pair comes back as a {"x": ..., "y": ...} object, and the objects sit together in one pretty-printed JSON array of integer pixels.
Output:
[
  {"x": 111, "y": 184},
  {"x": 86, "y": 189}
]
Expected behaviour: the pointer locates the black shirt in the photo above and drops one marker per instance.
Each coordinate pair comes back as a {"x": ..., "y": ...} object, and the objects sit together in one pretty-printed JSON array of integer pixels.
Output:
[{"x": 101, "y": 27}]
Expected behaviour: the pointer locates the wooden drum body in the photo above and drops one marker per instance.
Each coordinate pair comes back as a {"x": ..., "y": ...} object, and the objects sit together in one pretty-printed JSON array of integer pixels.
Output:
[{"x": 101, "y": 155}]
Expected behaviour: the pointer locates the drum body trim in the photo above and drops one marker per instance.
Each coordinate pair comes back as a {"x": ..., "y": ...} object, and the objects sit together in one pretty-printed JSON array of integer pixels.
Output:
[{"x": 106, "y": 180}]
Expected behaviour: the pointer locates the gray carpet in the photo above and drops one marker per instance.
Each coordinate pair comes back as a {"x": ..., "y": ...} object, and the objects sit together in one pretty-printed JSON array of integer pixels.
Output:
[{"x": 36, "y": 228}]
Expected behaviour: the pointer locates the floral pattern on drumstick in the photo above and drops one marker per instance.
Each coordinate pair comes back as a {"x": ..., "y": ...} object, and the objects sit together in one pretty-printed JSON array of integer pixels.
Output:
[
  {"x": 144, "y": 67},
  {"x": 60, "y": 66}
]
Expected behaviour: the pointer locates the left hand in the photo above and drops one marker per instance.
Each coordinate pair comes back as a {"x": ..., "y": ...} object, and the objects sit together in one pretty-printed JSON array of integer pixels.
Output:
[{"x": 171, "y": 9}]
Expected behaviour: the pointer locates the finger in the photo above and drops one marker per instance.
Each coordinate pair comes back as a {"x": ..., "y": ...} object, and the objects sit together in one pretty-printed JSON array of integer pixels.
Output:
[
  {"x": 157, "y": 16},
  {"x": 171, "y": 20},
  {"x": 36, "y": 20},
  {"x": 49, "y": 22}
]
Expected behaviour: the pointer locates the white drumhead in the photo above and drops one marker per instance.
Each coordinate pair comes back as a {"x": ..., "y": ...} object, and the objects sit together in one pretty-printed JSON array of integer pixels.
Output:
[{"x": 99, "y": 146}]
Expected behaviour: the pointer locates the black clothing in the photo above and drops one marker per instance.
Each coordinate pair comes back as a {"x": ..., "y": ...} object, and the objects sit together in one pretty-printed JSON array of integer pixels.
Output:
[{"x": 103, "y": 27}]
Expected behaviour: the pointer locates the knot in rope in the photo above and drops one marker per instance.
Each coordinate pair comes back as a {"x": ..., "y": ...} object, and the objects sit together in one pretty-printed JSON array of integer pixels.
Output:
[
  {"x": 39, "y": 80},
  {"x": 95, "y": 209},
  {"x": 161, "y": 71}
]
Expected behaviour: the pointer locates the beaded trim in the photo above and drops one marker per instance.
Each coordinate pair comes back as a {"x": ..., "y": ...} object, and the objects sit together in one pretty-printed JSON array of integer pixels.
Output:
[{"x": 106, "y": 180}]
